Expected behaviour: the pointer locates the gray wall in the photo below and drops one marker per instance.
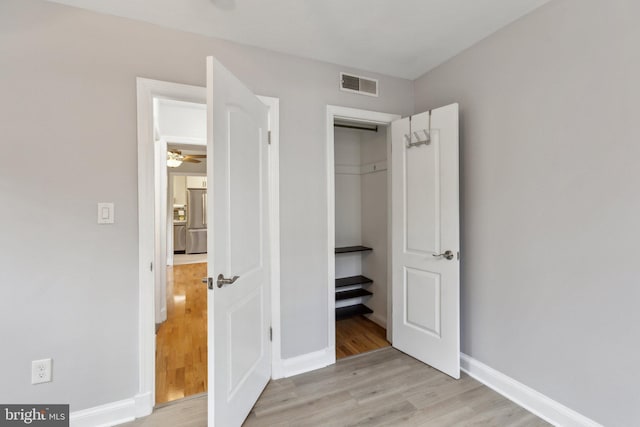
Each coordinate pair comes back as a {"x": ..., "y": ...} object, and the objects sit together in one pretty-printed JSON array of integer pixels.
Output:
[
  {"x": 550, "y": 201},
  {"x": 68, "y": 110}
]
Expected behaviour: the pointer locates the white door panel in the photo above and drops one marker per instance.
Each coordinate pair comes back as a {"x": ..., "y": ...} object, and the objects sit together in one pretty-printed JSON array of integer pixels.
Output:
[
  {"x": 422, "y": 289},
  {"x": 239, "y": 313},
  {"x": 422, "y": 177},
  {"x": 245, "y": 217},
  {"x": 425, "y": 224}
]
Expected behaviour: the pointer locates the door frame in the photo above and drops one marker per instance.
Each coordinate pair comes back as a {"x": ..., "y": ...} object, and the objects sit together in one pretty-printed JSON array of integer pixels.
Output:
[
  {"x": 146, "y": 90},
  {"x": 366, "y": 117}
]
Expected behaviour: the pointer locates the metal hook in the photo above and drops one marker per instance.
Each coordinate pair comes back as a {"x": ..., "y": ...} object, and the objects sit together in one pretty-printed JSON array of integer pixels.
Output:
[{"x": 425, "y": 141}]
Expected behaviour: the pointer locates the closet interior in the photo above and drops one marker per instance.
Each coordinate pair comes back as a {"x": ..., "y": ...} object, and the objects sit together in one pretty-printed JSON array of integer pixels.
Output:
[{"x": 361, "y": 237}]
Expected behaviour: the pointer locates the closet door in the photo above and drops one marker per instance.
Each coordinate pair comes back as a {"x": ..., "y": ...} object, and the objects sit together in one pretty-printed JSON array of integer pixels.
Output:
[{"x": 426, "y": 230}]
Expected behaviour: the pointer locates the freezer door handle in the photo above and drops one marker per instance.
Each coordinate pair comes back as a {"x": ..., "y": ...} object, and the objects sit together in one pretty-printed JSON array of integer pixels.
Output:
[{"x": 204, "y": 208}]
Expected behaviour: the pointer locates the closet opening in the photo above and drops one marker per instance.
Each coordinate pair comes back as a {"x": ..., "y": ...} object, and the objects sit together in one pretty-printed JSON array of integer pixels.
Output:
[{"x": 362, "y": 239}]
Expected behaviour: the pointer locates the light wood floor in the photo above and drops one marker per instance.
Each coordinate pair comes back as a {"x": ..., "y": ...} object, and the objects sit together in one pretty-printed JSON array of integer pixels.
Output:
[
  {"x": 181, "y": 341},
  {"x": 380, "y": 388},
  {"x": 357, "y": 335}
]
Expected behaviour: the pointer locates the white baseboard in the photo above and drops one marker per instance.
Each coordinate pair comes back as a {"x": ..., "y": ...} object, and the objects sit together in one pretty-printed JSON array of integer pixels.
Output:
[
  {"x": 308, "y": 362},
  {"x": 126, "y": 410},
  {"x": 535, "y": 402},
  {"x": 144, "y": 404},
  {"x": 277, "y": 371},
  {"x": 111, "y": 414}
]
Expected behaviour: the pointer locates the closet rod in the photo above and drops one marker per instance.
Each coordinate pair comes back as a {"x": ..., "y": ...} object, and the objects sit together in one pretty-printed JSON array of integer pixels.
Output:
[{"x": 373, "y": 129}]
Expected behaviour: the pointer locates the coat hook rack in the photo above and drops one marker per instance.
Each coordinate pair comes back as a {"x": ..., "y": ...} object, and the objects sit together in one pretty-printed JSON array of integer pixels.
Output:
[{"x": 419, "y": 139}]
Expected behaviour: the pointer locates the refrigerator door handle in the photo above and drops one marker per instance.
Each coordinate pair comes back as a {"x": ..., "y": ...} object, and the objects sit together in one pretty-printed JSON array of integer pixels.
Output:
[{"x": 204, "y": 208}]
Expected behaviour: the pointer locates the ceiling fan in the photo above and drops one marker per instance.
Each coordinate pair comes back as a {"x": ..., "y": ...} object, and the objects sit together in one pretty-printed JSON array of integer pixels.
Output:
[{"x": 175, "y": 158}]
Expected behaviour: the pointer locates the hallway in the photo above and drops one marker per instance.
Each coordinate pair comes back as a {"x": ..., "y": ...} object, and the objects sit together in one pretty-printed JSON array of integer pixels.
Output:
[{"x": 181, "y": 341}]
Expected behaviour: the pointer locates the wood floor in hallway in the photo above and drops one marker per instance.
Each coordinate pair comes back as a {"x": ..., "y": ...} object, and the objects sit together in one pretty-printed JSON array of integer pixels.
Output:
[
  {"x": 181, "y": 341},
  {"x": 379, "y": 388}
]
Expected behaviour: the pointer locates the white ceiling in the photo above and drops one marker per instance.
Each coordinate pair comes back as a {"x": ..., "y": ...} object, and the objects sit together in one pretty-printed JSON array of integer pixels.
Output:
[{"x": 403, "y": 38}]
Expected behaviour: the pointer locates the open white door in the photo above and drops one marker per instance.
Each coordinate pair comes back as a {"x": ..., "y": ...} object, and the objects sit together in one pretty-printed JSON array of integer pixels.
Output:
[
  {"x": 426, "y": 230},
  {"x": 239, "y": 309}
]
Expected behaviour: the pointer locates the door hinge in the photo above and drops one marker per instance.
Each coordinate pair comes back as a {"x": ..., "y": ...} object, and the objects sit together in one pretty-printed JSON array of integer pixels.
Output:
[
  {"x": 270, "y": 333},
  {"x": 269, "y": 137},
  {"x": 151, "y": 266}
]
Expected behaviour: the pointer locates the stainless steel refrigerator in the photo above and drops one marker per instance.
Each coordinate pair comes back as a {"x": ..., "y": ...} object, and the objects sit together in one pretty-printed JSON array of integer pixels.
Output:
[{"x": 196, "y": 221}]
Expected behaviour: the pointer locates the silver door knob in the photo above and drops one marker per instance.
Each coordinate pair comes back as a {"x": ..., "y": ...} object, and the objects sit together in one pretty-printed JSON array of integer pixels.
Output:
[
  {"x": 224, "y": 281},
  {"x": 447, "y": 254}
]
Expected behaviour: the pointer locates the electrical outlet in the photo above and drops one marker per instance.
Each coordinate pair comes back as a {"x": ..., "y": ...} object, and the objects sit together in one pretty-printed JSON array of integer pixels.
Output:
[{"x": 41, "y": 371}]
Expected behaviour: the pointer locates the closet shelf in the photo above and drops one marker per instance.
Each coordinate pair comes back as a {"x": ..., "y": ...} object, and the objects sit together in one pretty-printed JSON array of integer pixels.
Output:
[
  {"x": 353, "y": 293},
  {"x": 352, "y": 310},
  {"x": 347, "y": 249},
  {"x": 351, "y": 281}
]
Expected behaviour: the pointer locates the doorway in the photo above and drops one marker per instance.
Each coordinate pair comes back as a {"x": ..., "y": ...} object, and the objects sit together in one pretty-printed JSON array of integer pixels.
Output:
[
  {"x": 153, "y": 236},
  {"x": 181, "y": 192},
  {"x": 358, "y": 147}
]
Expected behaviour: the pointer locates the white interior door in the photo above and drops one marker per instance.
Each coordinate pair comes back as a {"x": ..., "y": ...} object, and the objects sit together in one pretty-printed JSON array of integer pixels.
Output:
[
  {"x": 239, "y": 313},
  {"x": 425, "y": 234}
]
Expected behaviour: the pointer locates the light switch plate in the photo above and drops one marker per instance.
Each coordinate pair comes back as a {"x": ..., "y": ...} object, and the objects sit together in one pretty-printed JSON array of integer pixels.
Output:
[{"x": 106, "y": 213}]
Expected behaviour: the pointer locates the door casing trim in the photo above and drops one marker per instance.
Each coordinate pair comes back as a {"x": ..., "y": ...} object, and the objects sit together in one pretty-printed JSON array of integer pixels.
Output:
[{"x": 368, "y": 117}]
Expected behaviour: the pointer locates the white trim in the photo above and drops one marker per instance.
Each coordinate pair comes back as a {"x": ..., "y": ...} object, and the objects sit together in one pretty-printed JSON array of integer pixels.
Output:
[
  {"x": 331, "y": 234},
  {"x": 530, "y": 399},
  {"x": 161, "y": 221},
  {"x": 146, "y": 90},
  {"x": 113, "y": 413},
  {"x": 274, "y": 219},
  {"x": 145, "y": 403},
  {"x": 363, "y": 116},
  {"x": 308, "y": 362},
  {"x": 389, "y": 320},
  {"x": 110, "y": 414}
]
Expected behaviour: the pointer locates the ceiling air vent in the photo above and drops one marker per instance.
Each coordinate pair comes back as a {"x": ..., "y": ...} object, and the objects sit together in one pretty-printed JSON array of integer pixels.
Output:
[{"x": 357, "y": 84}]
